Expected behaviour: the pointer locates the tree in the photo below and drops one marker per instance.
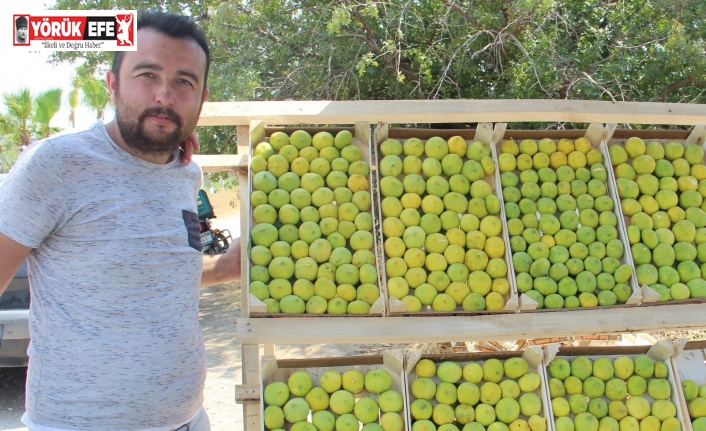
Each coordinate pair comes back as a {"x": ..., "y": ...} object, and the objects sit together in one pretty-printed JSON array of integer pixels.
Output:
[
  {"x": 26, "y": 119},
  {"x": 95, "y": 95},
  {"x": 644, "y": 50},
  {"x": 16, "y": 124},
  {"x": 46, "y": 105}
]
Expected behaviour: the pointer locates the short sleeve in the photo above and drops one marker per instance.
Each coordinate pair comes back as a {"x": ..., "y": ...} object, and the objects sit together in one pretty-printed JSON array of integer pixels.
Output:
[{"x": 33, "y": 196}]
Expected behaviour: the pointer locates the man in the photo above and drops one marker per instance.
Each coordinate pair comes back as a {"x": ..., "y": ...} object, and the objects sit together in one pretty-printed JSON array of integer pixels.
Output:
[
  {"x": 21, "y": 24},
  {"x": 107, "y": 218}
]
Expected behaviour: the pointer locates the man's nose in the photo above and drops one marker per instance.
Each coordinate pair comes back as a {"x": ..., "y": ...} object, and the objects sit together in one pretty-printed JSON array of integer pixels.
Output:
[{"x": 164, "y": 94}]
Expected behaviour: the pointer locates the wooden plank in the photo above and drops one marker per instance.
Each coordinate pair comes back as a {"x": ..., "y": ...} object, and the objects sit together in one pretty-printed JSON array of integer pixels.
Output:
[
  {"x": 255, "y": 305},
  {"x": 697, "y": 136},
  {"x": 498, "y": 327},
  {"x": 595, "y": 133},
  {"x": 363, "y": 133},
  {"x": 243, "y": 139},
  {"x": 256, "y": 134},
  {"x": 498, "y": 133},
  {"x": 484, "y": 133},
  {"x": 243, "y": 183},
  {"x": 252, "y": 420},
  {"x": 247, "y": 394},
  {"x": 450, "y": 111},
  {"x": 330, "y": 362},
  {"x": 221, "y": 162}
]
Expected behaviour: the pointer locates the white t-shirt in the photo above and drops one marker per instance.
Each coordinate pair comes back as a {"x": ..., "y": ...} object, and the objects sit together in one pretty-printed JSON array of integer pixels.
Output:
[{"x": 114, "y": 275}]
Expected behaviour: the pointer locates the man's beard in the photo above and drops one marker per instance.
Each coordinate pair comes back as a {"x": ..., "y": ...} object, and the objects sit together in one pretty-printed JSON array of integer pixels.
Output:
[{"x": 135, "y": 136}]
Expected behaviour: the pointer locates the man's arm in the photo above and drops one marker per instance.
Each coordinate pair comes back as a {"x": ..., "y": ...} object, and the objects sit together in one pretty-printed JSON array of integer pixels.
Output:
[
  {"x": 222, "y": 268},
  {"x": 12, "y": 253}
]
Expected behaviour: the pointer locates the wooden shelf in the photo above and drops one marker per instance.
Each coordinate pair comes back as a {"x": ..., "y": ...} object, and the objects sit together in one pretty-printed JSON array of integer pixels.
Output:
[
  {"x": 253, "y": 332},
  {"x": 432, "y": 329}
]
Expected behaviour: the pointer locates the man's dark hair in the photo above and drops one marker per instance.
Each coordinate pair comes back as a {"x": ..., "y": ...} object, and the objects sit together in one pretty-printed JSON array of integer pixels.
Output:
[{"x": 172, "y": 25}]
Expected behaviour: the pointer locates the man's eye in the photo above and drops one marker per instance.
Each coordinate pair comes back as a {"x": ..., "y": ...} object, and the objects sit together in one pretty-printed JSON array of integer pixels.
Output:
[
  {"x": 147, "y": 74},
  {"x": 185, "y": 82}
]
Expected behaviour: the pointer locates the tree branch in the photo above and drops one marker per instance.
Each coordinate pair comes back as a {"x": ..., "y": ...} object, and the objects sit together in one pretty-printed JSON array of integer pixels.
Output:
[
  {"x": 370, "y": 41},
  {"x": 469, "y": 19},
  {"x": 677, "y": 85}
]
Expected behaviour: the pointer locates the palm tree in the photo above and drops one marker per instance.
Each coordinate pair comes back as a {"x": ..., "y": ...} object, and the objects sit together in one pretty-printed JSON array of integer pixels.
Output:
[
  {"x": 25, "y": 119},
  {"x": 95, "y": 95},
  {"x": 46, "y": 105},
  {"x": 17, "y": 124}
]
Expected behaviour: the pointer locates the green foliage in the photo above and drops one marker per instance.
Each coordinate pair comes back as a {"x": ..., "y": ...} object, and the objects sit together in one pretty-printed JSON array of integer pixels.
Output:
[
  {"x": 95, "y": 94},
  {"x": 645, "y": 50},
  {"x": 46, "y": 105},
  {"x": 24, "y": 120}
]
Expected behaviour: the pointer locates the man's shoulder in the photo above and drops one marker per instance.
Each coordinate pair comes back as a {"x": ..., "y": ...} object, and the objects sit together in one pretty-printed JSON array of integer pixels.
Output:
[
  {"x": 71, "y": 136},
  {"x": 70, "y": 140}
]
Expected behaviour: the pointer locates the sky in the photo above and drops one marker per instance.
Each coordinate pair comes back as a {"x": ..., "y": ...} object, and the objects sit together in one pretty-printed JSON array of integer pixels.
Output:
[{"x": 30, "y": 69}]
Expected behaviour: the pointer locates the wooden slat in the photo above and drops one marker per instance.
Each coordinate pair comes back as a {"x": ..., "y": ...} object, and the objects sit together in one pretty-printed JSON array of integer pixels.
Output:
[
  {"x": 221, "y": 162},
  {"x": 499, "y": 327},
  {"x": 450, "y": 111}
]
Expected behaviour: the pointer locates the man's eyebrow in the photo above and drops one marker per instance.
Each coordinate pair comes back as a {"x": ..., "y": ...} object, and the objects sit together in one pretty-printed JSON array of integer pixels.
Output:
[{"x": 157, "y": 67}]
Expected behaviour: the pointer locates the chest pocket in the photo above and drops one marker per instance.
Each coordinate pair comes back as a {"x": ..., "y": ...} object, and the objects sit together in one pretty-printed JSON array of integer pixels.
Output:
[{"x": 193, "y": 229}]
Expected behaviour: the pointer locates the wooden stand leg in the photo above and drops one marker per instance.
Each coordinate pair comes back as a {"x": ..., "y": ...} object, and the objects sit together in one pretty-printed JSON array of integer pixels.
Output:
[{"x": 252, "y": 420}]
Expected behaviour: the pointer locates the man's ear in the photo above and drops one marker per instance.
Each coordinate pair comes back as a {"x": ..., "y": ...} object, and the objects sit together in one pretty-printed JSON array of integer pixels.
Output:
[
  {"x": 205, "y": 95},
  {"x": 111, "y": 82}
]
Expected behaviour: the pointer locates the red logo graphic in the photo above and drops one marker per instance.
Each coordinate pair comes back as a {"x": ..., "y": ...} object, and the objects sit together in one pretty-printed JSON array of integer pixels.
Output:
[{"x": 125, "y": 33}]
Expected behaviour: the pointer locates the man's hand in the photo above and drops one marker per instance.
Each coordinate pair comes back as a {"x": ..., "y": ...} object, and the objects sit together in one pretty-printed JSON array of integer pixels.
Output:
[{"x": 189, "y": 147}]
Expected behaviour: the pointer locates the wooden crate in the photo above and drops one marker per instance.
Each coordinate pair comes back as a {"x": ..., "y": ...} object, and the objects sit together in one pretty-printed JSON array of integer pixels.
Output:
[
  {"x": 596, "y": 135},
  {"x": 361, "y": 138},
  {"x": 661, "y": 351},
  {"x": 279, "y": 370},
  {"x": 532, "y": 355},
  {"x": 483, "y": 133},
  {"x": 698, "y": 137}
]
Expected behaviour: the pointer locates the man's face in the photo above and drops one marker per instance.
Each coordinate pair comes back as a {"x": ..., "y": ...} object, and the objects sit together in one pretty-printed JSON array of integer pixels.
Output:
[
  {"x": 22, "y": 33},
  {"x": 160, "y": 91}
]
